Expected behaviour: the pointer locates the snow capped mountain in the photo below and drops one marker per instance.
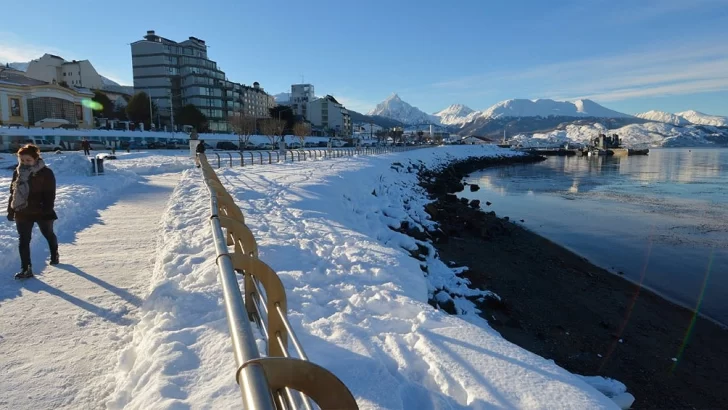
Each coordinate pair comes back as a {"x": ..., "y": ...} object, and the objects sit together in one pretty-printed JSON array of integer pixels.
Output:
[
  {"x": 283, "y": 98},
  {"x": 696, "y": 117},
  {"x": 548, "y": 108},
  {"x": 661, "y": 116},
  {"x": 396, "y": 109},
  {"x": 455, "y": 114},
  {"x": 685, "y": 118},
  {"x": 19, "y": 66},
  {"x": 650, "y": 134},
  {"x": 108, "y": 81}
]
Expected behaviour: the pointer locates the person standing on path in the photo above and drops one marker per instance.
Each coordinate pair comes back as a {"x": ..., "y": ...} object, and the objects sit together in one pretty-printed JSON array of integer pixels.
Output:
[
  {"x": 32, "y": 199},
  {"x": 199, "y": 150},
  {"x": 86, "y": 147}
]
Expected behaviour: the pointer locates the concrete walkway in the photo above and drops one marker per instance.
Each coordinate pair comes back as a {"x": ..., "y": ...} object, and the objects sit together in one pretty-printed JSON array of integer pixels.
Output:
[{"x": 60, "y": 340}]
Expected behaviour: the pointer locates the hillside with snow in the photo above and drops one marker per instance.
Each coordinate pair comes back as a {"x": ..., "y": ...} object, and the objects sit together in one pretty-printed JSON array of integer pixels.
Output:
[
  {"x": 396, "y": 109},
  {"x": 455, "y": 114},
  {"x": 696, "y": 117},
  {"x": 650, "y": 134},
  {"x": 661, "y": 116}
]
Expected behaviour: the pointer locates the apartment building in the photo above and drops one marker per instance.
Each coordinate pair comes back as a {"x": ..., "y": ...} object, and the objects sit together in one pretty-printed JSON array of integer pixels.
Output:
[
  {"x": 175, "y": 74},
  {"x": 55, "y": 70},
  {"x": 327, "y": 114},
  {"x": 301, "y": 95}
]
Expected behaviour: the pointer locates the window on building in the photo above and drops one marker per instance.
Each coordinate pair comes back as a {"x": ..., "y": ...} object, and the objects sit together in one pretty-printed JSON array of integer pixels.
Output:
[{"x": 64, "y": 74}]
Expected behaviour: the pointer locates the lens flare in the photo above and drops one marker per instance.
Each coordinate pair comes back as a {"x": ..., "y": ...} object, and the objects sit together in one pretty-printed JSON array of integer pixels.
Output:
[
  {"x": 689, "y": 332},
  {"x": 94, "y": 105}
]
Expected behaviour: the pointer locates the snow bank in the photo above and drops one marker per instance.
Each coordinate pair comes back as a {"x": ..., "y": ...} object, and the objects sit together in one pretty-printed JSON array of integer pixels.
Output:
[
  {"x": 357, "y": 299},
  {"x": 150, "y": 162},
  {"x": 78, "y": 198}
]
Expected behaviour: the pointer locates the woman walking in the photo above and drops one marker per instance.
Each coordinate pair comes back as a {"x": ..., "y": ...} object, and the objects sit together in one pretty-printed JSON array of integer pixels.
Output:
[{"x": 32, "y": 198}]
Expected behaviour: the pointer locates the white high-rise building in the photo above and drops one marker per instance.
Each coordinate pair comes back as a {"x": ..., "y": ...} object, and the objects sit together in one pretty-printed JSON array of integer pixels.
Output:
[{"x": 301, "y": 95}]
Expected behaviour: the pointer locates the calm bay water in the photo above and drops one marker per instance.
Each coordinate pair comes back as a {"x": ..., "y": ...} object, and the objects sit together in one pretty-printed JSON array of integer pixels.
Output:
[{"x": 661, "y": 220}]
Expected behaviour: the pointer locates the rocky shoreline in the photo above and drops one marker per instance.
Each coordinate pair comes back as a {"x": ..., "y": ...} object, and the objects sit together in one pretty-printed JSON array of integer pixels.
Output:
[{"x": 560, "y": 306}]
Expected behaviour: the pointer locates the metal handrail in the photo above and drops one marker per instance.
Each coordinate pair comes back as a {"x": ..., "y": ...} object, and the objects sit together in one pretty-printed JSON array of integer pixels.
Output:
[
  {"x": 265, "y": 382},
  {"x": 251, "y": 379}
]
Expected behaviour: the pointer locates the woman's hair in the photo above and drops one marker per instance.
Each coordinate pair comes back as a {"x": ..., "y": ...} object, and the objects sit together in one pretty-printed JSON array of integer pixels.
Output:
[{"x": 29, "y": 150}]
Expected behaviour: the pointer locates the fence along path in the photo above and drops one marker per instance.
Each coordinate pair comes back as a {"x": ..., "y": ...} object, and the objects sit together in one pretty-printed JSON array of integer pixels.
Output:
[
  {"x": 277, "y": 381},
  {"x": 232, "y": 158}
]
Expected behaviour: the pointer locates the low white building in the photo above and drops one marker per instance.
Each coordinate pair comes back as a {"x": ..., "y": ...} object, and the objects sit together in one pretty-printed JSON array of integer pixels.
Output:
[
  {"x": 26, "y": 101},
  {"x": 55, "y": 70},
  {"x": 328, "y": 114}
]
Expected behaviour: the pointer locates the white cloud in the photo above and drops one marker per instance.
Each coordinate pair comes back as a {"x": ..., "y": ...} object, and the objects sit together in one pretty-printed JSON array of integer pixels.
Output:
[
  {"x": 14, "y": 50},
  {"x": 670, "y": 70}
]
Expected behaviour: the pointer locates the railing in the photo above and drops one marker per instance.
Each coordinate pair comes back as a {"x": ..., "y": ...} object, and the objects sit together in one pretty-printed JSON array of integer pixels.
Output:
[
  {"x": 278, "y": 381},
  {"x": 303, "y": 154}
]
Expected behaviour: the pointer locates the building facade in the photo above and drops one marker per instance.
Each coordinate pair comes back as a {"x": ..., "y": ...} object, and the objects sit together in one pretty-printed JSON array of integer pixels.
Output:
[
  {"x": 327, "y": 114},
  {"x": 301, "y": 95},
  {"x": 55, "y": 70},
  {"x": 26, "y": 101},
  {"x": 175, "y": 74}
]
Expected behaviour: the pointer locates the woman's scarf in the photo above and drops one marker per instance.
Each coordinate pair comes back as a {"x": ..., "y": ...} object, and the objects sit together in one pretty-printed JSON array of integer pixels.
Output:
[{"x": 21, "y": 188}]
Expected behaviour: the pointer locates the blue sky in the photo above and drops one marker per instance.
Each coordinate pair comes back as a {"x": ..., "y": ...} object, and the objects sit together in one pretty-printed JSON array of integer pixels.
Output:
[{"x": 631, "y": 56}]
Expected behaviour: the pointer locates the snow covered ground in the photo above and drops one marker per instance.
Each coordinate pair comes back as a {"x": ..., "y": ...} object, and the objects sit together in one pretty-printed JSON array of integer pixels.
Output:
[{"x": 357, "y": 299}]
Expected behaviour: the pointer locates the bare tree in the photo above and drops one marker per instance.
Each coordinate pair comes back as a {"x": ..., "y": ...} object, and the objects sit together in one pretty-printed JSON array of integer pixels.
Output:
[
  {"x": 302, "y": 130},
  {"x": 273, "y": 129},
  {"x": 280, "y": 126},
  {"x": 244, "y": 126}
]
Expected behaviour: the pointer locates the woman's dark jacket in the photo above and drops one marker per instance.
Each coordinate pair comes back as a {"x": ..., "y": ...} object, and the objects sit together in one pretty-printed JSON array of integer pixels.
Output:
[{"x": 41, "y": 198}]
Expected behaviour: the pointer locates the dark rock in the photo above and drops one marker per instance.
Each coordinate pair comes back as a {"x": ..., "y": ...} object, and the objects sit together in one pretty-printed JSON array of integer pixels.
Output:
[
  {"x": 523, "y": 220},
  {"x": 450, "y": 198},
  {"x": 464, "y": 201},
  {"x": 374, "y": 192},
  {"x": 474, "y": 187},
  {"x": 505, "y": 218},
  {"x": 475, "y": 203},
  {"x": 432, "y": 210},
  {"x": 488, "y": 203}
]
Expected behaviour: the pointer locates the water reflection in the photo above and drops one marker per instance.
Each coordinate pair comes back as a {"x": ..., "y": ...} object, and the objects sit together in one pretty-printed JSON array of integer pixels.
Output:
[
  {"x": 659, "y": 219},
  {"x": 572, "y": 175}
]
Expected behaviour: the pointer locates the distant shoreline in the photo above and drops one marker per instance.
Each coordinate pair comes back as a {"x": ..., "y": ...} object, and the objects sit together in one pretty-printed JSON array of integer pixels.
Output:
[{"x": 562, "y": 307}]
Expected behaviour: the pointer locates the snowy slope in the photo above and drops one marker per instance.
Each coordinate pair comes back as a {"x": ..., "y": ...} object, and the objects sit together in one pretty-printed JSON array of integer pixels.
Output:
[
  {"x": 356, "y": 298},
  {"x": 696, "y": 117},
  {"x": 651, "y": 134},
  {"x": 396, "y": 109},
  {"x": 546, "y": 108},
  {"x": 661, "y": 116},
  {"x": 455, "y": 114}
]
